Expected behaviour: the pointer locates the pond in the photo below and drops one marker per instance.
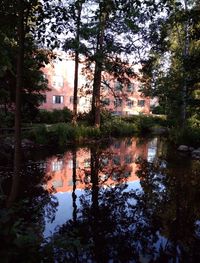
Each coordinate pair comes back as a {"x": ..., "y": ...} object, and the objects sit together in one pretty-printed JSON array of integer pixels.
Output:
[{"x": 132, "y": 200}]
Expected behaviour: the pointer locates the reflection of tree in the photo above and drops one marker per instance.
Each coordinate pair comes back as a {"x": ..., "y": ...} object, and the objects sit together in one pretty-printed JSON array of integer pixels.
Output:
[
  {"x": 103, "y": 227},
  {"x": 170, "y": 203},
  {"x": 22, "y": 225},
  {"x": 158, "y": 223}
]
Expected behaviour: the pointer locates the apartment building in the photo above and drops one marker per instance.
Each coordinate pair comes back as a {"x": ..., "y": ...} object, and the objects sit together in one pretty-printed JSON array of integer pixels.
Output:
[{"x": 120, "y": 98}]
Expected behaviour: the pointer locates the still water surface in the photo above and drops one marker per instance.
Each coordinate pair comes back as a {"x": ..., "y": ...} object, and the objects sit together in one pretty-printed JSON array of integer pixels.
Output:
[{"x": 133, "y": 200}]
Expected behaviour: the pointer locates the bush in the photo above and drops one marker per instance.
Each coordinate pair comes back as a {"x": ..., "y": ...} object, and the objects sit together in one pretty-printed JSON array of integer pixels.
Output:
[
  {"x": 118, "y": 127},
  {"x": 189, "y": 136},
  {"x": 7, "y": 120},
  {"x": 39, "y": 134},
  {"x": 55, "y": 116}
]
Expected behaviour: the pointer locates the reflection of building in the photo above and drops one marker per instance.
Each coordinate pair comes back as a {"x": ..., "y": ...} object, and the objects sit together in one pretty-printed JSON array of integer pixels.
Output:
[
  {"x": 116, "y": 164},
  {"x": 120, "y": 99}
]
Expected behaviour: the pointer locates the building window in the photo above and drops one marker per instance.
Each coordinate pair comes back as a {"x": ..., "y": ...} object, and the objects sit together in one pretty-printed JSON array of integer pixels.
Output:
[
  {"x": 141, "y": 103},
  {"x": 105, "y": 85},
  {"x": 117, "y": 145},
  {"x": 130, "y": 103},
  {"x": 44, "y": 98},
  {"x": 118, "y": 102},
  {"x": 106, "y": 101},
  {"x": 130, "y": 87},
  {"x": 118, "y": 86},
  {"x": 127, "y": 174},
  {"x": 57, "y": 81},
  {"x": 58, "y": 99},
  {"x": 87, "y": 163}
]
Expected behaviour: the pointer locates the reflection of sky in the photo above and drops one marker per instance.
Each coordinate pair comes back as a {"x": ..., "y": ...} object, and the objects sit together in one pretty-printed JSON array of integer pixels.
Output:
[
  {"x": 65, "y": 208},
  {"x": 152, "y": 150}
]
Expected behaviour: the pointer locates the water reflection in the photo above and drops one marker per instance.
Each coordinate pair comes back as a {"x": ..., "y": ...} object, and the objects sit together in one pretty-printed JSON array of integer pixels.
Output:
[
  {"x": 116, "y": 165},
  {"x": 132, "y": 201}
]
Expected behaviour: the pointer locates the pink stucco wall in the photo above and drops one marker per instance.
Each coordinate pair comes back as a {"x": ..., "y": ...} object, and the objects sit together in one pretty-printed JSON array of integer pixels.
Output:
[{"x": 64, "y": 70}]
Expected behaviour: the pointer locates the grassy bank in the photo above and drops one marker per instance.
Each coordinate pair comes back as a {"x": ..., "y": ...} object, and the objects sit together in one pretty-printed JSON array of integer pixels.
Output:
[{"x": 63, "y": 133}]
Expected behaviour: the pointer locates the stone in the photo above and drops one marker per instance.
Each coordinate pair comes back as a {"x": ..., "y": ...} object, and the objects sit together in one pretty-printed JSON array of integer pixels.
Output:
[
  {"x": 191, "y": 149},
  {"x": 183, "y": 148},
  {"x": 196, "y": 154},
  {"x": 26, "y": 143}
]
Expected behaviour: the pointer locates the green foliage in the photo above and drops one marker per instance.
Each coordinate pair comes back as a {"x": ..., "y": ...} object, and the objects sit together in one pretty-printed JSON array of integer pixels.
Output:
[
  {"x": 172, "y": 70},
  {"x": 55, "y": 116},
  {"x": 39, "y": 134},
  {"x": 188, "y": 136},
  {"x": 6, "y": 119},
  {"x": 63, "y": 133},
  {"x": 118, "y": 127},
  {"x": 105, "y": 116}
]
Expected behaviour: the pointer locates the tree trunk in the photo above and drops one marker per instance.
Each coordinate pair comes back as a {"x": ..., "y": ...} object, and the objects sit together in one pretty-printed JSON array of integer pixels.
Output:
[
  {"x": 20, "y": 60},
  {"x": 96, "y": 94},
  {"x": 74, "y": 197},
  {"x": 95, "y": 204},
  {"x": 98, "y": 68},
  {"x": 75, "y": 97},
  {"x": 185, "y": 56}
]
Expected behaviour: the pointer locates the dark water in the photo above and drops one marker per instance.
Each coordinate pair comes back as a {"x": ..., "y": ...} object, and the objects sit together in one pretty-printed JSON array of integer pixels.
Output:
[{"x": 135, "y": 200}]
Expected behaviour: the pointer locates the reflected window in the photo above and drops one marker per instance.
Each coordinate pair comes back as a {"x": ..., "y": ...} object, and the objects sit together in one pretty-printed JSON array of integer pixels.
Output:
[
  {"x": 42, "y": 165},
  {"x": 57, "y": 183},
  {"x": 104, "y": 161},
  {"x": 128, "y": 158},
  {"x": 116, "y": 160},
  {"x": 104, "y": 177},
  {"x": 127, "y": 174},
  {"x": 57, "y": 166},
  {"x": 115, "y": 176},
  {"x": 70, "y": 164},
  {"x": 87, "y": 179}
]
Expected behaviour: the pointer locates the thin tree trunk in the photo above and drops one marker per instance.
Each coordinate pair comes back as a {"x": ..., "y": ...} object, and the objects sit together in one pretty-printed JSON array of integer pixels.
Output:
[
  {"x": 17, "y": 150},
  {"x": 74, "y": 197},
  {"x": 98, "y": 69},
  {"x": 185, "y": 55},
  {"x": 95, "y": 204},
  {"x": 75, "y": 98},
  {"x": 96, "y": 94}
]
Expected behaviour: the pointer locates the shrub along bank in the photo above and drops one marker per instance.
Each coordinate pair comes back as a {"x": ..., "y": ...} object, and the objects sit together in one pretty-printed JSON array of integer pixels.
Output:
[{"x": 63, "y": 133}]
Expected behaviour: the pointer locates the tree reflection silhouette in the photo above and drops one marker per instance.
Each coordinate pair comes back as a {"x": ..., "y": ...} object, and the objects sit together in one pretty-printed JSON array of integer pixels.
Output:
[
  {"x": 169, "y": 202},
  {"x": 22, "y": 224},
  {"x": 103, "y": 229},
  {"x": 157, "y": 223}
]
